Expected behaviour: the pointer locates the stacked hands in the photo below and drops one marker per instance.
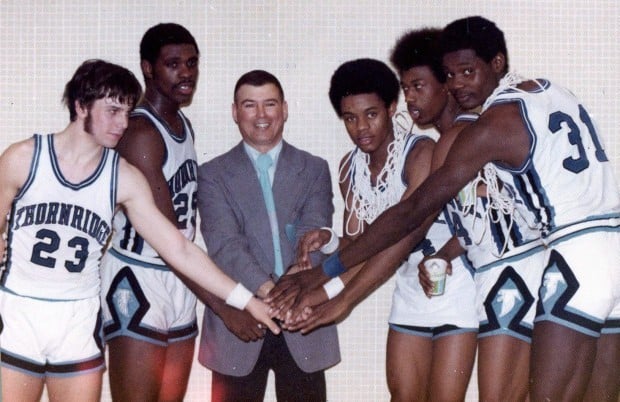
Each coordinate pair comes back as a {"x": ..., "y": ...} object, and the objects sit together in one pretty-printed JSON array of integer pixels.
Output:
[{"x": 299, "y": 302}]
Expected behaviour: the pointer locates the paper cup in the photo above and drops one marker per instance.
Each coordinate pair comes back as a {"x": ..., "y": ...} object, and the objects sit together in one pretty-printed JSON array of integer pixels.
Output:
[{"x": 436, "y": 268}]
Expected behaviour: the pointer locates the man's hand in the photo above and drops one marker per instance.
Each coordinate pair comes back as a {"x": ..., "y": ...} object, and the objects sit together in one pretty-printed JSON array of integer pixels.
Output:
[
  {"x": 264, "y": 289},
  {"x": 290, "y": 288},
  {"x": 311, "y": 241},
  {"x": 241, "y": 323},
  {"x": 304, "y": 301},
  {"x": 330, "y": 312},
  {"x": 260, "y": 311},
  {"x": 425, "y": 278}
]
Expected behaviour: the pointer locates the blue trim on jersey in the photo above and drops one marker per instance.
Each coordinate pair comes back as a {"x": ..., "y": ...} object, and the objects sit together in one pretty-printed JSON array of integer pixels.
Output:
[
  {"x": 468, "y": 117},
  {"x": 410, "y": 142},
  {"x": 527, "y": 180},
  {"x": 114, "y": 181},
  {"x": 530, "y": 131},
  {"x": 61, "y": 178},
  {"x": 152, "y": 115},
  {"x": 543, "y": 84},
  {"x": 132, "y": 261},
  {"x": 34, "y": 164}
]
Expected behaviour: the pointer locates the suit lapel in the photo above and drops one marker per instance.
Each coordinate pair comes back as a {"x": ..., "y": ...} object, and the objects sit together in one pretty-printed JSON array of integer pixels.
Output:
[
  {"x": 287, "y": 185},
  {"x": 245, "y": 189}
]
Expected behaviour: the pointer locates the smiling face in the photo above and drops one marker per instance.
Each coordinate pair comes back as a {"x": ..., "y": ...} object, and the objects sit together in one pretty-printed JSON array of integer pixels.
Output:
[
  {"x": 175, "y": 73},
  {"x": 470, "y": 79},
  {"x": 260, "y": 113},
  {"x": 425, "y": 96},
  {"x": 106, "y": 120},
  {"x": 368, "y": 121}
]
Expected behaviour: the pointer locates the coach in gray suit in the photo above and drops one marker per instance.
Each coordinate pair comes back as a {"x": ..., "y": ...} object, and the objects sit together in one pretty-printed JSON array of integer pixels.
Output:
[{"x": 252, "y": 242}]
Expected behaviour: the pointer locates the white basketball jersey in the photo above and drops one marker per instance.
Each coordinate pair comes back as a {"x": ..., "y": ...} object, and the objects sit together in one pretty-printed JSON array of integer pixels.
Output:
[
  {"x": 487, "y": 233},
  {"x": 567, "y": 178},
  {"x": 390, "y": 192},
  {"x": 58, "y": 230},
  {"x": 180, "y": 171}
]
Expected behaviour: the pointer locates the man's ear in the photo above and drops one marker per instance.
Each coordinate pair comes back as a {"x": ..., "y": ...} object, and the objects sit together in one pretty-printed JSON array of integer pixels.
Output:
[
  {"x": 234, "y": 112},
  {"x": 392, "y": 109},
  {"x": 147, "y": 69},
  {"x": 499, "y": 63},
  {"x": 80, "y": 110}
]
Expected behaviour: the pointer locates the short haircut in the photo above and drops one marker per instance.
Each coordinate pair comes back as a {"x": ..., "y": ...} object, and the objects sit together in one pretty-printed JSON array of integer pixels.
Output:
[
  {"x": 419, "y": 48},
  {"x": 363, "y": 76},
  {"x": 95, "y": 79},
  {"x": 258, "y": 78},
  {"x": 475, "y": 33},
  {"x": 161, "y": 35}
]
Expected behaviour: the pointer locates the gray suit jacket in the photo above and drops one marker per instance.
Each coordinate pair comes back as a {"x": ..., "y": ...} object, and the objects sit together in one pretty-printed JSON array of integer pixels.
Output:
[{"x": 235, "y": 227}]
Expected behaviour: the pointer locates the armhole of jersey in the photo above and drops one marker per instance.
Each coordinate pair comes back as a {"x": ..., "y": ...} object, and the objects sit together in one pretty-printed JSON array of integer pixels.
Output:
[
  {"x": 530, "y": 132},
  {"x": 114, "y": 181},
  {"x": 154, "y": 120},
  {"x": 410, "y": 143},
  {"x": 186, "y": 127},
  {"x": 34, "y": 164},
  {"x": 351, "y": 169},
  {"x": 466, "y": 117}
]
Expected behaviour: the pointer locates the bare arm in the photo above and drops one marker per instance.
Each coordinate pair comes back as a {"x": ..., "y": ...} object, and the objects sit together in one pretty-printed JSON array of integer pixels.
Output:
[
  {"x": 382, "y": 266},
  {"x": 15, "y": 165},
  {"x": 379, "y": 268},
  {"x": 499, "y": 135},
  {"x": 181, "y": 254},
  {"x": 143, "y": 147}
]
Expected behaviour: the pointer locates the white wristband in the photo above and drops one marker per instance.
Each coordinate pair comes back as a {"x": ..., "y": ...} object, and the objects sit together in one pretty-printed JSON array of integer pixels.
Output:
[
  {"x": 332, "y": 244},
  {"x": 333, "y": 287},
  {"x": 239, "y": 297}
]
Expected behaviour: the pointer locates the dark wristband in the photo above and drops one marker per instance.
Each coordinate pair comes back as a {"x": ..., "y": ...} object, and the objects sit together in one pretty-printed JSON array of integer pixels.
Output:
[{"x": 332, "y": 266}]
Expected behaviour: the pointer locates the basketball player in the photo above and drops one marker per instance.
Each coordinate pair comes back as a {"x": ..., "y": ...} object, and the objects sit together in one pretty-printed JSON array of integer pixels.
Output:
[
  {"x": 431, "y": 341},
  {"x": 58, "y": 193},
  {"x": 504, "y": 251},
  {"x": 151, "y": 346},
  {"x": 545, "y": 145}
]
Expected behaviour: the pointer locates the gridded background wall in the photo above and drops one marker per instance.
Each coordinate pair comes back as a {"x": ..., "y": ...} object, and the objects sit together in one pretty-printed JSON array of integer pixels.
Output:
[{"x": 572, "y": 42}]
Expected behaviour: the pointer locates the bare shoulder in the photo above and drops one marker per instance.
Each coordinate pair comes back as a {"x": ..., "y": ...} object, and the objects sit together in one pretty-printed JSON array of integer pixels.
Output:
[
  {"x": 421, "y": 153},
  {"x": 418, "y": 163},
  {"x": 20, "y": 148},
  {"x": 446, "y": 139},
  {"x": 141, "y": 139},
  {"x": 499, "y": 134},
  {"x": 16, "y": 160}
]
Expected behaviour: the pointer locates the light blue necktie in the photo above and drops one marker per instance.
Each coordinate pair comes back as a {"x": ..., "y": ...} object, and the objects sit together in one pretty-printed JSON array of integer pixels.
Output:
[{"x": 263, "y": 162}]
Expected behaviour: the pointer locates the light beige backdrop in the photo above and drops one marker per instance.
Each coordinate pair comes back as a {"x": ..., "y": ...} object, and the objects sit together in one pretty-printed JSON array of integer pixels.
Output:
[{"x": 572, "y": 42}]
